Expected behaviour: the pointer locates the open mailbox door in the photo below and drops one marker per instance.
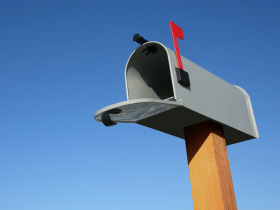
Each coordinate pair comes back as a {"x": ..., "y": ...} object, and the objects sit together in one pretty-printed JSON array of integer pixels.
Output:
[{"x": 157, "y": 100}]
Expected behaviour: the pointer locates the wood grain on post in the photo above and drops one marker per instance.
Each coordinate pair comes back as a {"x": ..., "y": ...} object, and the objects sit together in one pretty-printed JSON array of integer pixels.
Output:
[{"x": 210, "y": 175}]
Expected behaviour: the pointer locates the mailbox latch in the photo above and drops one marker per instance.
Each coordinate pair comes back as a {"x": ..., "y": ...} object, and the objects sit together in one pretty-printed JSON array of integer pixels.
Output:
[{"x": 183, "y": 77}]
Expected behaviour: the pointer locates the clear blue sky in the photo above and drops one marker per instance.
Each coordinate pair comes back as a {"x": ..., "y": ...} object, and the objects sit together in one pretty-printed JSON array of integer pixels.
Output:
[{"x": 60, "y": 61}]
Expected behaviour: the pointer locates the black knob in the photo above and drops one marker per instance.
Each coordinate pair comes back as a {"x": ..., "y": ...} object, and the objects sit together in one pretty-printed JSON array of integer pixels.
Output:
[{"x": 139, "y": 39}]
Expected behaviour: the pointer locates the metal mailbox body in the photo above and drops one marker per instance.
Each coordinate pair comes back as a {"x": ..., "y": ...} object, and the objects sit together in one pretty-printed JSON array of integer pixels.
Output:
[{"x": 151, "y": 78}]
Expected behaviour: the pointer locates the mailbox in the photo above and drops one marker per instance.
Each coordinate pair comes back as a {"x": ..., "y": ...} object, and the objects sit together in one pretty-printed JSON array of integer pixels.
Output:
[{"x": 157, "y": 100}]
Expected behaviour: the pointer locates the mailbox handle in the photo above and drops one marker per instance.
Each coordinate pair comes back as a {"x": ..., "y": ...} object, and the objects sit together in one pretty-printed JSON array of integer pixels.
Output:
[{"x": 177, "y": 32}]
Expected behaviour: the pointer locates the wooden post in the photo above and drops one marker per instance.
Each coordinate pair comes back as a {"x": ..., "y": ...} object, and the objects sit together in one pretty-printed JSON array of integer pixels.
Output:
[{"x": 209, "y": 169}]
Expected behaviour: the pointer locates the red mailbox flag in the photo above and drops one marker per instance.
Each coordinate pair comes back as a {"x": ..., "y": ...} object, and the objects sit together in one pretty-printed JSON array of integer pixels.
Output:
[{"x": 177, "y": 32}]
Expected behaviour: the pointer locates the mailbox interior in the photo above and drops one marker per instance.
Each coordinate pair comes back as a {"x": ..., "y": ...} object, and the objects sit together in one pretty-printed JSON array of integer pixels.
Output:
[{"x": 148, "y": 73}]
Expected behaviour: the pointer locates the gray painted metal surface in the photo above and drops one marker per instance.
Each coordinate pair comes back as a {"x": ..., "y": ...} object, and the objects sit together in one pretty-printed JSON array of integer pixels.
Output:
[
  {"x": 151, "y": 79},
  {"x": 136, "y": 110}
]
